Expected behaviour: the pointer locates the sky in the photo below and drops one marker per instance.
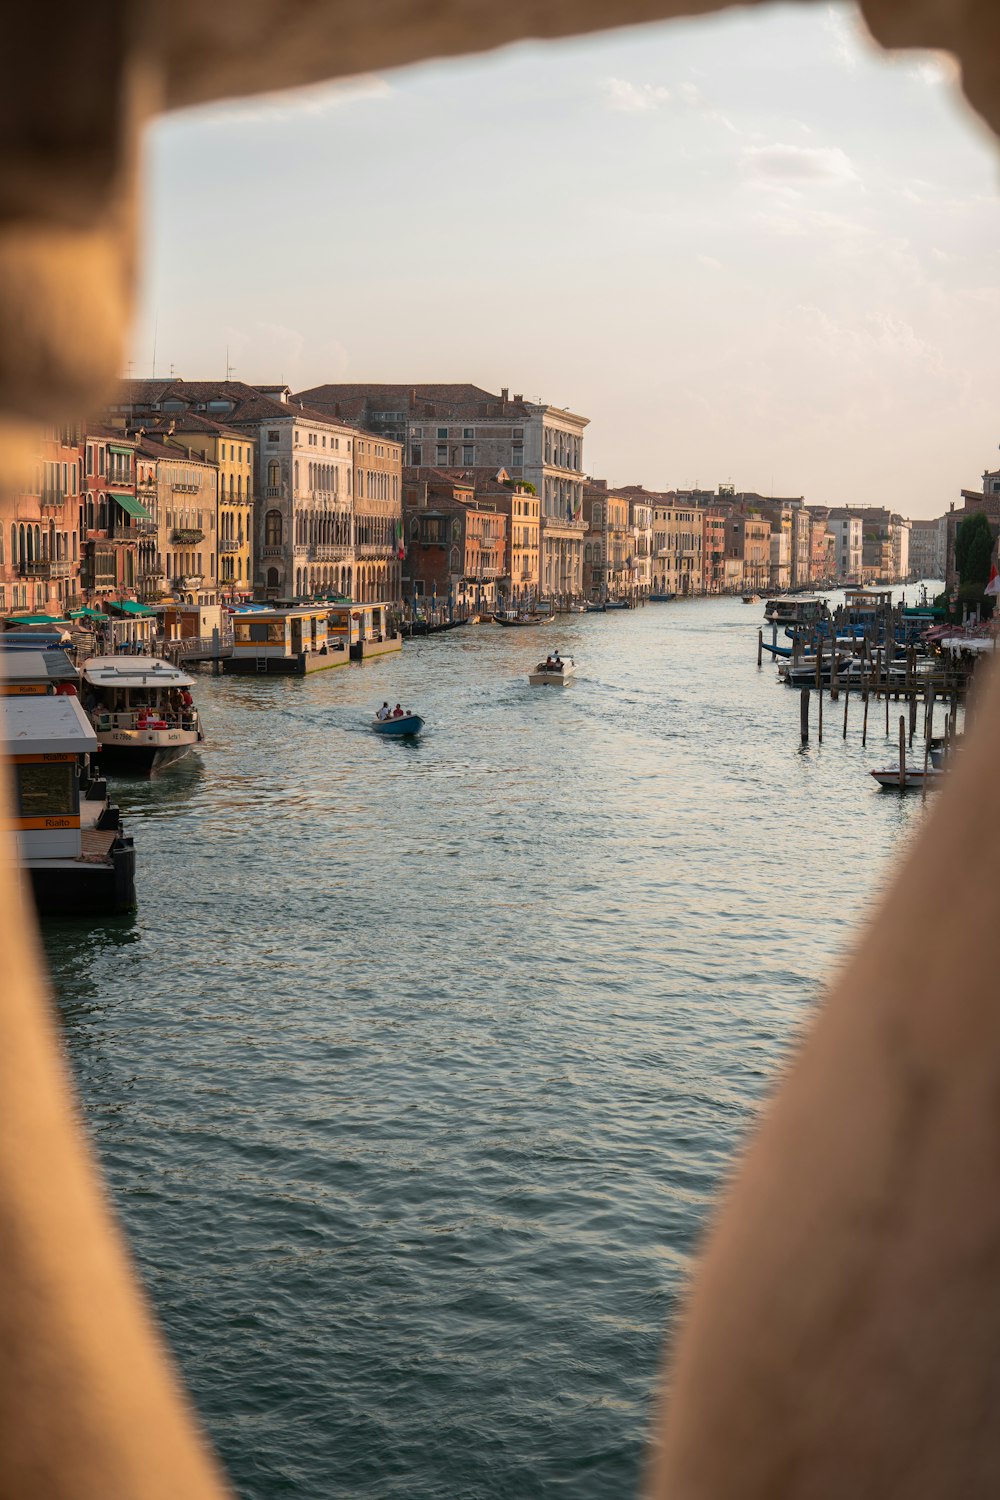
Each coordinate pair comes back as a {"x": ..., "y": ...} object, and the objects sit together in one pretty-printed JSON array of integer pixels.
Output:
[{"x": 749, "y": 248}]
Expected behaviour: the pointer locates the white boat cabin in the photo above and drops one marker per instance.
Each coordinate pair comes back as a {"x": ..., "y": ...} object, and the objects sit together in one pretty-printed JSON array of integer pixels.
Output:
[{"x": 46, "y": 738}]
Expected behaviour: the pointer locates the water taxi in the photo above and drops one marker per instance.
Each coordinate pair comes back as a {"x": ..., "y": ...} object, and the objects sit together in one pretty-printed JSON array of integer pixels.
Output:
[
  {"x": 70, "y": 840},
  {"x": 554, "y": 671},
  {"x": 141, "y": 711},
  {"x": 405, "y": 726}
]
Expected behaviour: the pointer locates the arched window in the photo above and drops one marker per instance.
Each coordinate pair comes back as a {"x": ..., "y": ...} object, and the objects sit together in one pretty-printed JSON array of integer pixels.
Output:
[
  {"x": 232, "y": 483},
  {"x": 273, "y": 474},
  {"x": 28, "y": 551},
  {"x": 272, "y": 528},
  {"x": 14, "y": 556},
  {"x": 296, "y": 473}
]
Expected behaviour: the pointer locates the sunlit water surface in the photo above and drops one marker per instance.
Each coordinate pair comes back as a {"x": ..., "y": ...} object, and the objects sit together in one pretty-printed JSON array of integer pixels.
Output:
[{"x": 417, "y": 1070}]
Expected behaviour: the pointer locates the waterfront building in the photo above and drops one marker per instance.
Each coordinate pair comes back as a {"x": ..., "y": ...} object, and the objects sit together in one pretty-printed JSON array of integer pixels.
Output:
[
  {"x": 928, "y": 548},
  {"x": 801, "y": 545},
  {"x": 455, "y": 544},
  {"x": 678, "y": 539},
  {"x": 986, "y": 500},
  {"x": 607, "y": 551},
  {"x": 822, "y": 565},
  {"x": 150, "y": 578},
  {"x": 640, "y": 512},
  {"x": 713, "y": 549},
  {"x": 748, "y": 541},
  {"x": 463, "y": 427},
  {"x": 845, "y": 526},
  {"x": 233, "y": 452},
  {"x": 40, "y": 530},
  {"x": 378, "y": 518},
  {"x": 304, "y": 534},
  {"x": 185, "y": 520},
  {"x": 522, "y": 508},
  {"x": 113, "y": 521}
]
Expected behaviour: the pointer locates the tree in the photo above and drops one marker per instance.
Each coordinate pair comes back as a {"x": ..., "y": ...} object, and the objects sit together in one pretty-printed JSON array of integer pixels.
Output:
[
  {"x": 973, "y": 549},
  {"x": 973, "y": 557}
]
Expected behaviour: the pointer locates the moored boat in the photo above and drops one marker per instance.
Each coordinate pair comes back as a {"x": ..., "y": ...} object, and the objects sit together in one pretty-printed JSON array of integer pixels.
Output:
[
  {"x": 913, "y": 779},
  {"x": 521, "y": 617},
  {"x": 402, "y": 727},
  {"x": 795, "y": 609},
  {"x": 661, "y": 598},
  {"x": 141, "y": 710},
  {"x": 70, "y": 841}
]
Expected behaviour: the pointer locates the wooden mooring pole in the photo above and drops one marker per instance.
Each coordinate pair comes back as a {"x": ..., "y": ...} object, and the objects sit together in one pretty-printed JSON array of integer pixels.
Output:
[
  {"x": 819, "y": 717},
  {"x": 804, "y": 715},
  {"x": 902, "y": 751},
  {"x": 864, "y": 726},
  {"x": 760, "y": 646},
  {"x": 847, "y": 699}
]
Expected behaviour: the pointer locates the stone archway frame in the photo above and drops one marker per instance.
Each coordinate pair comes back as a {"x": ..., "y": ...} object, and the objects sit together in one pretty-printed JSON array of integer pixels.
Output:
[{"x": 841, "y": 1336}]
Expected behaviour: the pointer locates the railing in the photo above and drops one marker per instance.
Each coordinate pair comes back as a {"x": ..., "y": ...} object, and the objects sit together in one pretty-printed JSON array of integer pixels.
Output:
[
  {"x": 329, "y": 552},
  {"x": 34, "y": 569},
  {"x": 154, "y": 719},
  {"x": 59, "y": 567},
  {"x": 219, "y": 643},
  {"x": 53, "y": 500},
  {"x": 375, "y": 549},
  {"x": 275, "y": 492},
  {"x": 228, "y": 544},
  {"x": 187, "y": 535},
  {"x": 185, "y": 489},
  {"x": 123, "y": 531},
  {"x": 272, "y": 551}
]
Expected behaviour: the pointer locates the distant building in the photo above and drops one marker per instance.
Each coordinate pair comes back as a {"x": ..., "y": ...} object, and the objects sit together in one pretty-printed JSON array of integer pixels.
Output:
[
  {"x": 521, "y": 506},
  {"x": 928, "y": 548},
  {"x": 713, "y": 550},
  {"x": 454, "y": 427},
  {"x": 748, "y": 542},
  {"x": 845, "y": 526},
  {"x": 456, "y": 545},
  {"x": 607, "y": 550},
  {"x": 39, "y": 529},
  {"x": 641, "y": 524}
]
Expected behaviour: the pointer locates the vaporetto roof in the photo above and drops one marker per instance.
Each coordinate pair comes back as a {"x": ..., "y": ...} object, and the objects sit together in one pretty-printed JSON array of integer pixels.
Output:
[{"x": 134, "y": 672}]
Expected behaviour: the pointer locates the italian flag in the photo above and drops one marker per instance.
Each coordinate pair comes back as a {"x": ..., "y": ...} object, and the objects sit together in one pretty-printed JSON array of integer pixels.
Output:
[{"x": 400, "y": 549}]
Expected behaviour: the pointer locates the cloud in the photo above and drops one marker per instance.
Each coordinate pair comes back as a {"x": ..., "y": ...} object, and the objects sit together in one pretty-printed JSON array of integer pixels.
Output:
[
  {"x": 634, "y": 98},
  {"x": 789, "y": 164},
  {"x": 711, "y": 262}
]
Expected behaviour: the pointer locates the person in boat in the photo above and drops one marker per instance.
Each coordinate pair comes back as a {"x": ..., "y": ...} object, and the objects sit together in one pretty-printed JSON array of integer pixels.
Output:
[
  {"x": 398, "y": 713},
  {"x": 383, "y": 713}
]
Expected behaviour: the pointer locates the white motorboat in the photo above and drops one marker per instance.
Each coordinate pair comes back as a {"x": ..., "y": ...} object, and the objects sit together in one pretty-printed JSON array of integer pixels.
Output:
[
  {"x": 554, "y": 671},
  {"x": 141, "y": 710}
]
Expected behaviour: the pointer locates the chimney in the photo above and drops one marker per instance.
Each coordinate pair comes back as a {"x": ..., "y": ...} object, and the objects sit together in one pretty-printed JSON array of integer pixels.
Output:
[
  {"x": 518, "y": 396},
  {"x": 504, "y": 393}
]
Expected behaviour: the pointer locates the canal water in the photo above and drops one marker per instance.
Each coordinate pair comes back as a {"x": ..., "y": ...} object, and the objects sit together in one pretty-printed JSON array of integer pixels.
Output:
[{"x": 416, "y": 1073}]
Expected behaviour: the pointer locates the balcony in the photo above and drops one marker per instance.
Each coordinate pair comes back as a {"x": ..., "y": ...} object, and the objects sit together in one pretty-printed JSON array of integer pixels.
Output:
[
  {"x": 375, "y": 549},
  {"x": 276, "y": 492},
  {"x": 34, "y": 569},
  {"x": 185, "y": 489},
  {"x": 272, "y": 551},
  {"x": 187, "y": 536},
  {"x": 133, "y": 531},
  {"x": 53, "y": 500},
  {"x": 227, "y": 544},
  {"x": 329, "y": 552}
]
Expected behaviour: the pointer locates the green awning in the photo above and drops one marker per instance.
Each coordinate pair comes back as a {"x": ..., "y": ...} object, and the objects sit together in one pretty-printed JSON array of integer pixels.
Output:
[
  {"x": 35, "y": 620},
  {"x": 132, "y": 505},
  {"x": 86, "y": 613},
  {"x": 129, "y": 607},
  {"x": 120, "y": 448}
]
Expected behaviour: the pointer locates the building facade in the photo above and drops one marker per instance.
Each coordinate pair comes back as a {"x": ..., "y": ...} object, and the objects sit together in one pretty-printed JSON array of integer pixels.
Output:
[
  {"x": 378, "y": 518},
  {"x": 845, "y": 525},
  {"x": 456, "y": 545},
  {"x": 928, "y": 548},
  {"x": 40, "y": 530}
]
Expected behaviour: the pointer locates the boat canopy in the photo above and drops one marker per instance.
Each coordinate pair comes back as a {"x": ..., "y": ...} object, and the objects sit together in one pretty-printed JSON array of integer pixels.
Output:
[
  {"x": 46, "y": 726},
  {"x": 86, "y": 613},
  {"x": 21, "y": 667},
  {"x": 134, "y": 672}
]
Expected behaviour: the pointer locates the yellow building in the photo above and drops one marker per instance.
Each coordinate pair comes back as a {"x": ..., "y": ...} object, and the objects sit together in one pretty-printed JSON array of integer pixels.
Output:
[{"x": 232, "y": 453}]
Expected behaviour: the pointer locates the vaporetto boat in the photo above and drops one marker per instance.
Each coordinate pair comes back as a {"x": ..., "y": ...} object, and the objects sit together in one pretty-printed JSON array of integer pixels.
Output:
[{"x": 141, "y": 710}]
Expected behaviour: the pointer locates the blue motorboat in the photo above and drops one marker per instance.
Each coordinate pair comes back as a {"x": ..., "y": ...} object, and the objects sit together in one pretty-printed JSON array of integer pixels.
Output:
[{"x": 405, "y": 725}]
